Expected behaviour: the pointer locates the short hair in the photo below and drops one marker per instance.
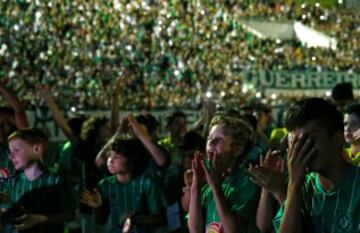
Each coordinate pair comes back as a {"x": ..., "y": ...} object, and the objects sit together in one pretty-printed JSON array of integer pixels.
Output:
[
  {"x": 31, "y": 136},
  {"x": 134, "y": 151},
  {"x": 314, "y": 109},
  {"x": 353, "y": 109},
  {"x": 238, "y": 129},
  {"x": 149, "y": 121},
  {"x": 174, "y": 115},
  {"x": 342, "y": 91},
  {"x": 193, "y": 141}
]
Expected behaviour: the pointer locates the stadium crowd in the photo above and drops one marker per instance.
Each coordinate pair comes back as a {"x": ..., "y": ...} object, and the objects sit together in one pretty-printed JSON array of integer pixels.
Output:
[
  {"x": 169, "y": 53},
  {"x": 235, "y": 170}
]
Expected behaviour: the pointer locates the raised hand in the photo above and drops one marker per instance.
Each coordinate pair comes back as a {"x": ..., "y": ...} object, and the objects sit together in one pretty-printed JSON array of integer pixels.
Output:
[
  {"x": 117, "y": 85},
  {"x": 356, "y": 135},
  {"x": 139, "y": 130},
  {"x": 44, "y": 91},
  {"x": 188, "y": 177},
  {"x": 270, "y": 174},
  {"x": 28, "y": 221},
  {"x": 91, "y": 199},
  {"x": 198, "y": 171},
  {"x": 212, "y": 170}
]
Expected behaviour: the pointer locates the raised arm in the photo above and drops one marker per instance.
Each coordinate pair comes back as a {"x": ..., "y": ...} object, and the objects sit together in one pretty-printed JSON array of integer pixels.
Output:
[
  {"x": 115, "y": 115},
  {"x": 21, "y": 120},
  {"x": 159, "y": 155},
  {"x": 270, "y": 176},
  {"x": 58, "y": 116},
  {"x": 207, "y": 114}
]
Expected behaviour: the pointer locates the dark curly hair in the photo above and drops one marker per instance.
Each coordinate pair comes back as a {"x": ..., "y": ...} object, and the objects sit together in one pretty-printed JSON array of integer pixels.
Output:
[{"x": 134, "y": 151}]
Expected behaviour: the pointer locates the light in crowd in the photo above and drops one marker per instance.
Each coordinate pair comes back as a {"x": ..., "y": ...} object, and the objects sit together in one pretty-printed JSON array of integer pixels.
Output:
[
  {"x": 117, "y": 5},
  {"x": 313, "y": 58},
  {"x": 208, "y": 94},
  {"x": 303, "y": 5},
  {"x": 328, "y": 93},
  {"x": 258, "y": 95},
  {"x": 128, "y": 47},
  {"x": 317, "y": 4},
  {"x": 244, "y": 88},
  {"x": 340, "y": 1},
  {"x": 273, "y": 96},
  {"x": 222, "y": 93},
  {"x": 73, "y": 109}
]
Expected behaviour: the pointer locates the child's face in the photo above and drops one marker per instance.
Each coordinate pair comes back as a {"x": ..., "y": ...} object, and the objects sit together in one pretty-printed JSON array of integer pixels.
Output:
[
  {"x": 220, "y": 144},
  {"x": 351, "y": 124},
  {"x": 117, "y": 163},
  {"x": 22, "y": 154}
]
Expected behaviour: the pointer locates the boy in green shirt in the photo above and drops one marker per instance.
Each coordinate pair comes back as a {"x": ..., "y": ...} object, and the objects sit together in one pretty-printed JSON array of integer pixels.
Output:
[
  {"x": 129, "y": 196},
  {"x": 39, "y": 199},
  {"x": 323, "y": 189},
  {"x": 228, "y": 201}
]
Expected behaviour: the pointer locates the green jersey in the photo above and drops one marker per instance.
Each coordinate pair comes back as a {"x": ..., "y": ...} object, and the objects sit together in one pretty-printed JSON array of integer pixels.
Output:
[
  {"x": 5, "y": 163},
  {"x": 242, "y": 196},
  {"x": 139, "y": 196},
  {"x": 68, "y": 162},
  {"x": 332, "y": 211},
  {"x": 46, "y": 195},
  {"x": 173, "y": 149}
]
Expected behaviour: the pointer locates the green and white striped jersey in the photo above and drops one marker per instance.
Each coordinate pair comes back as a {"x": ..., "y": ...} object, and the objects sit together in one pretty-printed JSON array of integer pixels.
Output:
[
  {"x": 47, "y": 195},
  {"x": 138, "y": 196},
  {"x": 332, "y": 211}
]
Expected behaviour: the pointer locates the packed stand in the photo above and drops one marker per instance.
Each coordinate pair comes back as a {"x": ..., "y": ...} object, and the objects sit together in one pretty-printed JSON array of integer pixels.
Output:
[{"x": 171, "y": 52}]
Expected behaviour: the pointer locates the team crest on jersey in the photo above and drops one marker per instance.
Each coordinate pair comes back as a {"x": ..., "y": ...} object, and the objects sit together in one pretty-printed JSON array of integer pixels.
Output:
[
  {"x": 214, "y": 227},
  {"x": 344, "y": 223}
]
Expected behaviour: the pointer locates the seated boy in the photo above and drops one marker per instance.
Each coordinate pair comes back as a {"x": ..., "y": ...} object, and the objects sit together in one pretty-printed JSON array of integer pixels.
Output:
[{"x": 39, "y": 200}]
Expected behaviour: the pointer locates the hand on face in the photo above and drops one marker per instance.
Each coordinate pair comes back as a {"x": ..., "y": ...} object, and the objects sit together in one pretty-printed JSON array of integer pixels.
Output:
[
  {"x": 213, "y": 171},
  {"x": 356, "y": 135},
  {"x": 301, "y": 151}
]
